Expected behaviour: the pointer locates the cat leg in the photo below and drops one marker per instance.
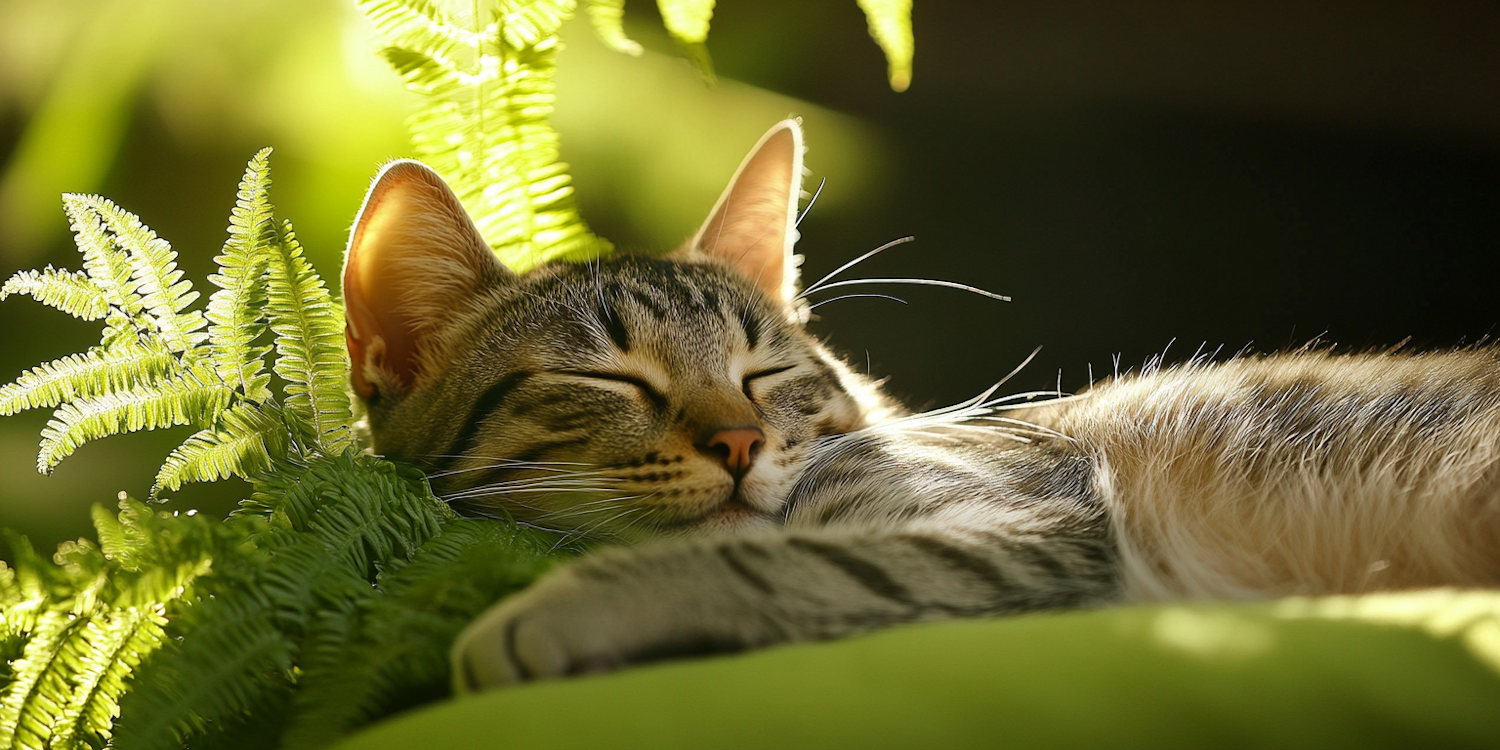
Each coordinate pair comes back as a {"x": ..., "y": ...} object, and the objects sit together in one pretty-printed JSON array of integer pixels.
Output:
[{"x": 686, "y": 598}]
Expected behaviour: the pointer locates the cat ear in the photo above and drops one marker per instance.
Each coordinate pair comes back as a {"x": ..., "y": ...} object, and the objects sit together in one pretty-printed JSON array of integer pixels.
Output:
[
  {"x": 754, "y": 224},
  {"x": 414, "y": 258}
]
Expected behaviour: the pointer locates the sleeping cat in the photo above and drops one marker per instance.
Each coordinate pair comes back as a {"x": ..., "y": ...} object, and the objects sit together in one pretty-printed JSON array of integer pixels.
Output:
[{"x": 676, "y": 403}]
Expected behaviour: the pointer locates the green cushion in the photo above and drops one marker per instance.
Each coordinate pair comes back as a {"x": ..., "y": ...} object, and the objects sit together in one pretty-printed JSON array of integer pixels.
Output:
[{"x": 1418, "y": 669}]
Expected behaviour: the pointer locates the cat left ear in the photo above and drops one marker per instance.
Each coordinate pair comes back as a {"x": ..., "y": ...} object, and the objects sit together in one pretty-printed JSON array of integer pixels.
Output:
[
  {"x": 414, "y": 260},
  {"x": 754, "y": 224}
]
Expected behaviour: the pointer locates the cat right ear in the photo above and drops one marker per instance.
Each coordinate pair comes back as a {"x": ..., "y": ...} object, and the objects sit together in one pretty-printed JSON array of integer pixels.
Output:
[{"x": 414, "y": 257}]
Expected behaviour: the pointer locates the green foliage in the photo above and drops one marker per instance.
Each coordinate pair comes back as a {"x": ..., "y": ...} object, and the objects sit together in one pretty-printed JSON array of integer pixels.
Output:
[
  {"x": 299, "y": 573},
  {"x": 330, "y": 597},
  {"x": 486, "y": 86}
]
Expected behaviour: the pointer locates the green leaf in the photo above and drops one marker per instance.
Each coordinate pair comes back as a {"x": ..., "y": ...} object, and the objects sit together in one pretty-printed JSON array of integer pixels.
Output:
[
  {"x": 194, "y": 397},
  {"x": 234, "y": 312},
  {"x": 395, "y": 653},
  {"x": 488, "y": 91},
  {"x": 890, "y": 26},
  {"x": 69, "y": 291},
  {"x": 362, "y": 509},
  {"x": 154, "y": 276},
  {"x": 101, "y": 656},
  {"x": 310, "y": 351},
  {"x": 687, "y": 21},
  {"x": 91, "y": 374},
  {"x": 608, "y": 19},
  {"x": 247, "y": 441},
  {"x": 35, "y": 696},
  {"x": 104, "y": 262}
]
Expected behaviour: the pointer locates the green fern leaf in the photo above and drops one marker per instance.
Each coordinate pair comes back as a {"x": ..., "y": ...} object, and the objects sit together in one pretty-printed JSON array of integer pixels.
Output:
[
  {"x": 88, "y": 375},
  {"x": 248, "y": 440},
  {"x": 395, "y": 654},
  {"x": 364, "y": 511},
  {"x": 687, "y": 21},
  {"x": 106, "y": 264},
  {"x": 69, "y": 291},
  {"x": 155, "y": 276},
  {"x": 34, "y": 697},
  {"x": 310, "y": 351},
  {"x": 488, "y": 89},
  {"x": 234, "y": 312},
  {"x": 194, "y": 397},
  {"x": 242, "y": 647},
  {"x": 890, "y": 26},
  {"x": 100, "y": 656},
  {"x": 608, "y": 18}
]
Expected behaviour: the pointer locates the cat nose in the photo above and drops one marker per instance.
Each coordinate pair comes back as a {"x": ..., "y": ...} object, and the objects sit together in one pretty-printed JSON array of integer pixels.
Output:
[{"x": 736, "y": 447}]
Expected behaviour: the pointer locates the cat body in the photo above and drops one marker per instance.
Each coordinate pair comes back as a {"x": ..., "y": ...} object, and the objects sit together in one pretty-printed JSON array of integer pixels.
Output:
[{"x": 676, "y": 403}]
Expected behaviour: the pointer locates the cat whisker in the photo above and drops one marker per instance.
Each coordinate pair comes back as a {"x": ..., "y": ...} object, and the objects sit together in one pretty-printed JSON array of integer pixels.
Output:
[
  {"x": 917, "y": 282},
  {"x": 811, "y": 202},
  {"x": 815, "y": 286},
  {"x": 817, "y": 305}
]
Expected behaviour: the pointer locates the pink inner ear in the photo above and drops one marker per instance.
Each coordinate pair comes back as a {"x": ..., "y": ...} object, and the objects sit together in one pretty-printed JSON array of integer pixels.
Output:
[
  {"x": 752, "y": 226},
  {"x": 413, "y": 257}
]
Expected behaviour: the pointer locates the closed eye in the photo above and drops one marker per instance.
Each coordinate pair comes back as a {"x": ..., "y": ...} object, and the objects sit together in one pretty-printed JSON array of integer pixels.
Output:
[
  {"x": 657, "y": 399},
  {"x": 745, "y": 384}
]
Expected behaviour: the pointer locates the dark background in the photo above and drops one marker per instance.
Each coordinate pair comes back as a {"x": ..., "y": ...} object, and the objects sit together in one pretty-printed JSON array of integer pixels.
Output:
[{"x": 1225, "y": 176}]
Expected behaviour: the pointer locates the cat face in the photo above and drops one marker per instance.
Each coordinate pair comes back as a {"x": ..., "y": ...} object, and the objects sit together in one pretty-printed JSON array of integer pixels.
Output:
[{"x": 628, "y": 397}]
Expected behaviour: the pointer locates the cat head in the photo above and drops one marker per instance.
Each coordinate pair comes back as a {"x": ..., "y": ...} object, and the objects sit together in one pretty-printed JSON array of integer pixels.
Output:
[{"x": 626, "y": 397}]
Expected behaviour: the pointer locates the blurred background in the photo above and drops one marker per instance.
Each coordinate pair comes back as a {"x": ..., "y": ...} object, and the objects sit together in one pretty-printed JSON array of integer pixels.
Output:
[{"x": 1147, "y": 179}]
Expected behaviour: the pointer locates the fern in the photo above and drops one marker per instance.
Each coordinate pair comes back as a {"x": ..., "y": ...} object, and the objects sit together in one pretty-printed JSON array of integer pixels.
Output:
[
  {"x": 250, "y": 442},
  {"x": 235, "y": 322},
  {"x": 329, "y": 598},
  {"x": 486, "y": 84},
  {"x": 309, "y": 343},
  {"x": 70, "y": 291},
  {"x": 98, "y": 371}
]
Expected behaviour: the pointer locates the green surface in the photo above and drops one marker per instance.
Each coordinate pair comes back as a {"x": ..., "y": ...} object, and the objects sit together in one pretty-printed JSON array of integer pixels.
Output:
[{"x": 1412, "y": 670}]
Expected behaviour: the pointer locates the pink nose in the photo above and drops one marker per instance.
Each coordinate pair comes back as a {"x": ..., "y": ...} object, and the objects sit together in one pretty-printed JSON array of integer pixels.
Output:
[{"x": 737, "y": 448}]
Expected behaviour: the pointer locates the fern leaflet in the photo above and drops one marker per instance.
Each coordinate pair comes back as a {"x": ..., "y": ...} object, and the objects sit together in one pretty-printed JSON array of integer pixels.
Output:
[
  {"x": 310, "y": 351},
  {"x": 195, "y": 397},
  {"x": 70, "y": 291},
  {"x": 235, "y": 321},
  {"x": 487, "y": 88},
  {"x": 80, "y": 376},
  {"x": 247, "y": 441}
]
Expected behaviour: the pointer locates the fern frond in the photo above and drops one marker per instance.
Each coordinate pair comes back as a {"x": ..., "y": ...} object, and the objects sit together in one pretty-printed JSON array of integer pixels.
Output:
[
  {"x": 193, "y": 397},
  {"x": 489, "y": 92},
  {"x": 70, "y": 291},
  {"x": 246, "y": 441},
  {"x": 361, "y": 508},
  {"x": 396, "y": 657},
  {"x": 687, "y": 21},
  {"x": 34, "y": 697},
  {"x": 310, "y": 352},
  {"x": 245, "y": 641},
  {"x": 154, "y": 276},
  {"x": 101, "y": 656},
  {"x": 890, "y": 26},
  {"x": 104, "y": 262},
  {"x": 608, "y": 19},
  {"x": 234, "y": 312},
  {"x": 88, "y": 375}
]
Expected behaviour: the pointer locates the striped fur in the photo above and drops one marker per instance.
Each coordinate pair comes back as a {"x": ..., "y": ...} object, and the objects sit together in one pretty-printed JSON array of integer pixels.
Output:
[{"x": 586, "y": 398}]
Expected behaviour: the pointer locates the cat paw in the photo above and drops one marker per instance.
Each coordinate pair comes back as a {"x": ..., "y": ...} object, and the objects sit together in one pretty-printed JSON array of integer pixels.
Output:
[
  {"x": 589, "y": 617},
  {"x": 551, "y": 630}
]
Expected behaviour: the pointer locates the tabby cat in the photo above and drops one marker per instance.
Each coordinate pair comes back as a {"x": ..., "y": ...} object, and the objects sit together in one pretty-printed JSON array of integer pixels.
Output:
[{"x": 677, "y": 402}]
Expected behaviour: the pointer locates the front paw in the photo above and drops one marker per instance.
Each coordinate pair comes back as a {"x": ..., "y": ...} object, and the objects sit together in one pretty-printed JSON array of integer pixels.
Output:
[
  {"x": 609, "y": 611},
  {"x": 551, "y": 630}
]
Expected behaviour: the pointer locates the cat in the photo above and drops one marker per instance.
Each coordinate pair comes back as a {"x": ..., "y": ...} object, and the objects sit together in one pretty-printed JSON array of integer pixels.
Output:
[{"x": 759, "y": 491}]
